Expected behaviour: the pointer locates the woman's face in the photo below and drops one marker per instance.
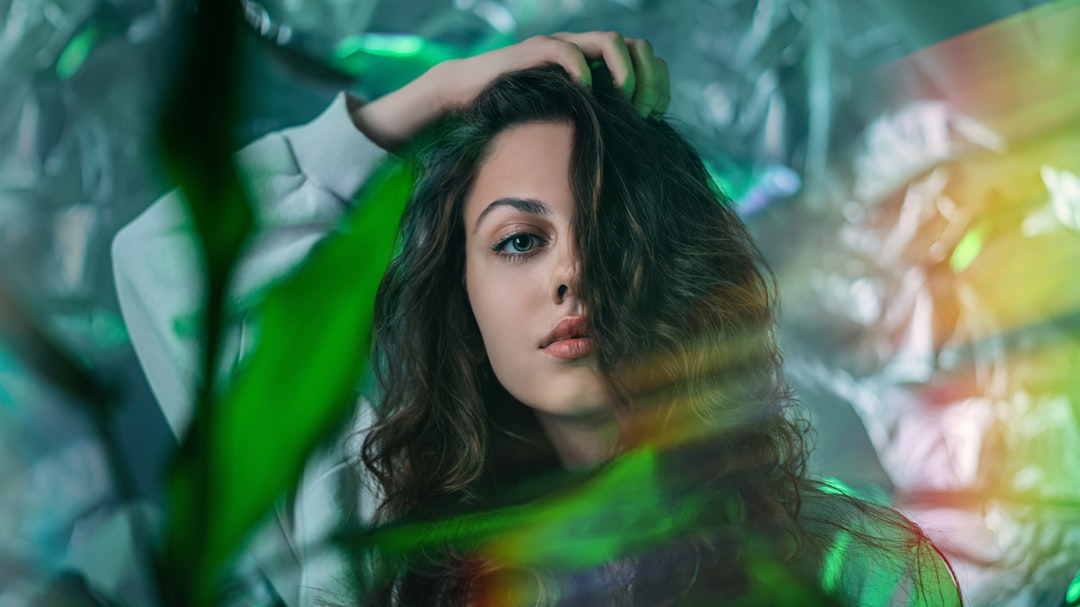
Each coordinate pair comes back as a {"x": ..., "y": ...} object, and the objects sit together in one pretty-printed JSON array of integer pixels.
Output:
[{"x": 522, "y": 268}]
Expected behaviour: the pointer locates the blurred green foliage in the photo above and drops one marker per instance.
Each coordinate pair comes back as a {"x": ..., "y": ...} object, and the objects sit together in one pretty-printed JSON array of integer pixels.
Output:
[
  {"x": 297, "y": 386},
  {"x": 249, "y": 439}
]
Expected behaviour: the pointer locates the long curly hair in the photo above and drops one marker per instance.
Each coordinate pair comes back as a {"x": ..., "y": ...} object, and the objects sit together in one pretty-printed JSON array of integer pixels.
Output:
[{"x": 681, "y": 308}]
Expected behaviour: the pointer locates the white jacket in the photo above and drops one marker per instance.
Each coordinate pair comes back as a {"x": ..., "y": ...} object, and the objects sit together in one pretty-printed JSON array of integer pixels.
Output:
[{"x": 300, "y": 181}]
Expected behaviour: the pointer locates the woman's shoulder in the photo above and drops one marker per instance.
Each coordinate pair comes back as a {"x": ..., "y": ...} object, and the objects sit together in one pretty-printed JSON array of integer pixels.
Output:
[{"x": 868, "y": 553}]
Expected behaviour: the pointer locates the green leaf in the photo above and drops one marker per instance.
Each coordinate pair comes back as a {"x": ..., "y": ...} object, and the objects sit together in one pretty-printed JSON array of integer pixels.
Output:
[
  {"x": 195, "y": 123},
  {"x": 614, "y": 513},
  {"x": 296, "y": 387}
]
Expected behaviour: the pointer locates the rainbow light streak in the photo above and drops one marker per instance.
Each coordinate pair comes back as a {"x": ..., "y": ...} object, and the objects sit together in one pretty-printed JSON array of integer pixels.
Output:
[{"x": 580, "y": 528}]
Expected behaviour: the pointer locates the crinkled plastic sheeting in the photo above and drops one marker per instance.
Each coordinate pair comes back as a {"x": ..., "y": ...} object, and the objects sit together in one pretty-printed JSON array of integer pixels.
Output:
[
  {"x": 77, "y": 84},
  {"x": 942, "y": 271},
  {"x": 922, "y": 218}
]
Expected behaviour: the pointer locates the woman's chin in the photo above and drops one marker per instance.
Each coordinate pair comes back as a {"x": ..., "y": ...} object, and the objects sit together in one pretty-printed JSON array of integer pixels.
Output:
[{"x": 583, "y": 408}]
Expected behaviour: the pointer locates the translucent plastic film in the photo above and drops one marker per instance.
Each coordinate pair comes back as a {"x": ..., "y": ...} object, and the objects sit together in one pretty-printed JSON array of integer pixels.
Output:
[
  {"x": 911, "y": 172},
  {"x": 947, "y": 274}
]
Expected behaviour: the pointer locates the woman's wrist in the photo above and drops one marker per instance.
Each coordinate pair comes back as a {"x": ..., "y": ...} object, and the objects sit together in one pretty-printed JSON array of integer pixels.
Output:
[{"x": 393, "y": 119}]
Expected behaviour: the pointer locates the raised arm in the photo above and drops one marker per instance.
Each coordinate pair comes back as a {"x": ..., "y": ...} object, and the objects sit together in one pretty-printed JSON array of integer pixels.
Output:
[
  {"x": 300, "y": 181},
  {"x": 394, "y": 119}
]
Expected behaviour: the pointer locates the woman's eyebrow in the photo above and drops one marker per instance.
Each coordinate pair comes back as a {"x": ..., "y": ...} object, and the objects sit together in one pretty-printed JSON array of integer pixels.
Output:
[{"x": 527, "y": 205}]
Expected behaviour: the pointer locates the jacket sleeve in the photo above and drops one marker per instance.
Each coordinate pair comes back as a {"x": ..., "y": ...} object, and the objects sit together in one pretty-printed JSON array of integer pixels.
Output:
[{"x": 300, "y": 182}]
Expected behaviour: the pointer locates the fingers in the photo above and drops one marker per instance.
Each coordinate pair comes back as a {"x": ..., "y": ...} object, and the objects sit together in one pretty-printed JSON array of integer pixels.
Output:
[
  {"x": 652, "y": 78},
  {"x": 636, "y": 71},
  {"x": 611, "y": 47},
  {"x": 564, "y": 53},
  {"x": 663, "y": 86}
]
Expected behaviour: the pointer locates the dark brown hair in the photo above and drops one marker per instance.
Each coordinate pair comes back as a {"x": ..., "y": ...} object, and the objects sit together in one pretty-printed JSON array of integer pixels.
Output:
[{"x": 682, "y": 310}]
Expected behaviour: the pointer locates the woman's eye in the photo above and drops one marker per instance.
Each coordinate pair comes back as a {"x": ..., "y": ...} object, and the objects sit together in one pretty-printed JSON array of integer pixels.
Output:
[
  {"x": 521, "y": 243},
  {"x": 518, "y": 245}
]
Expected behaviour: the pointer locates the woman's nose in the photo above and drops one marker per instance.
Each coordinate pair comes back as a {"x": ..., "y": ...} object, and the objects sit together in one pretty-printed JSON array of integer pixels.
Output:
[{"x": 566, "y": 279}]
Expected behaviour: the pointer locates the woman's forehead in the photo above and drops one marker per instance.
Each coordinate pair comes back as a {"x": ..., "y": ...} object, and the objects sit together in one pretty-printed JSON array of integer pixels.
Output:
[{"x": 530, "y": 161}]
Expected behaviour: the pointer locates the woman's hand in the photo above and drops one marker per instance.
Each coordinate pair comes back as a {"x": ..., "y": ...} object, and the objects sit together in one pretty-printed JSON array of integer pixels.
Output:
[{"x": 393, "y": 119}]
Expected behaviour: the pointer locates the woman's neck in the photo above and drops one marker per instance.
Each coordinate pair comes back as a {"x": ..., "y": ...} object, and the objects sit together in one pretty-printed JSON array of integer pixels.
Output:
[{"x": 580, "y": 441}]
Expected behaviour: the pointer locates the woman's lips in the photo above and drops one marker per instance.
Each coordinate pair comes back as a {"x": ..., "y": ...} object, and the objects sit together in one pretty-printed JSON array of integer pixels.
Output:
[{"x": 575, "y": 347}]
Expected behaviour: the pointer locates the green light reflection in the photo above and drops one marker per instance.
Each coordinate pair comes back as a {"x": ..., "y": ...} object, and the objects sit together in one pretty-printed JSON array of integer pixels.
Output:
[
  {"x": 384, "y": 45},
  {"x": 967, "y": 250},
  {"x": 76, "y": 52},
  {"x": 834, "y": 563},
  {"x": 1072, "y": 595}
]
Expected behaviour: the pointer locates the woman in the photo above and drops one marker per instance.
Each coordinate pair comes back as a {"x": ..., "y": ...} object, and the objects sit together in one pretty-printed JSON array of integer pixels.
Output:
[
  {"x": 594, "y": 299},
  {"x": 571, "y": 288}
]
